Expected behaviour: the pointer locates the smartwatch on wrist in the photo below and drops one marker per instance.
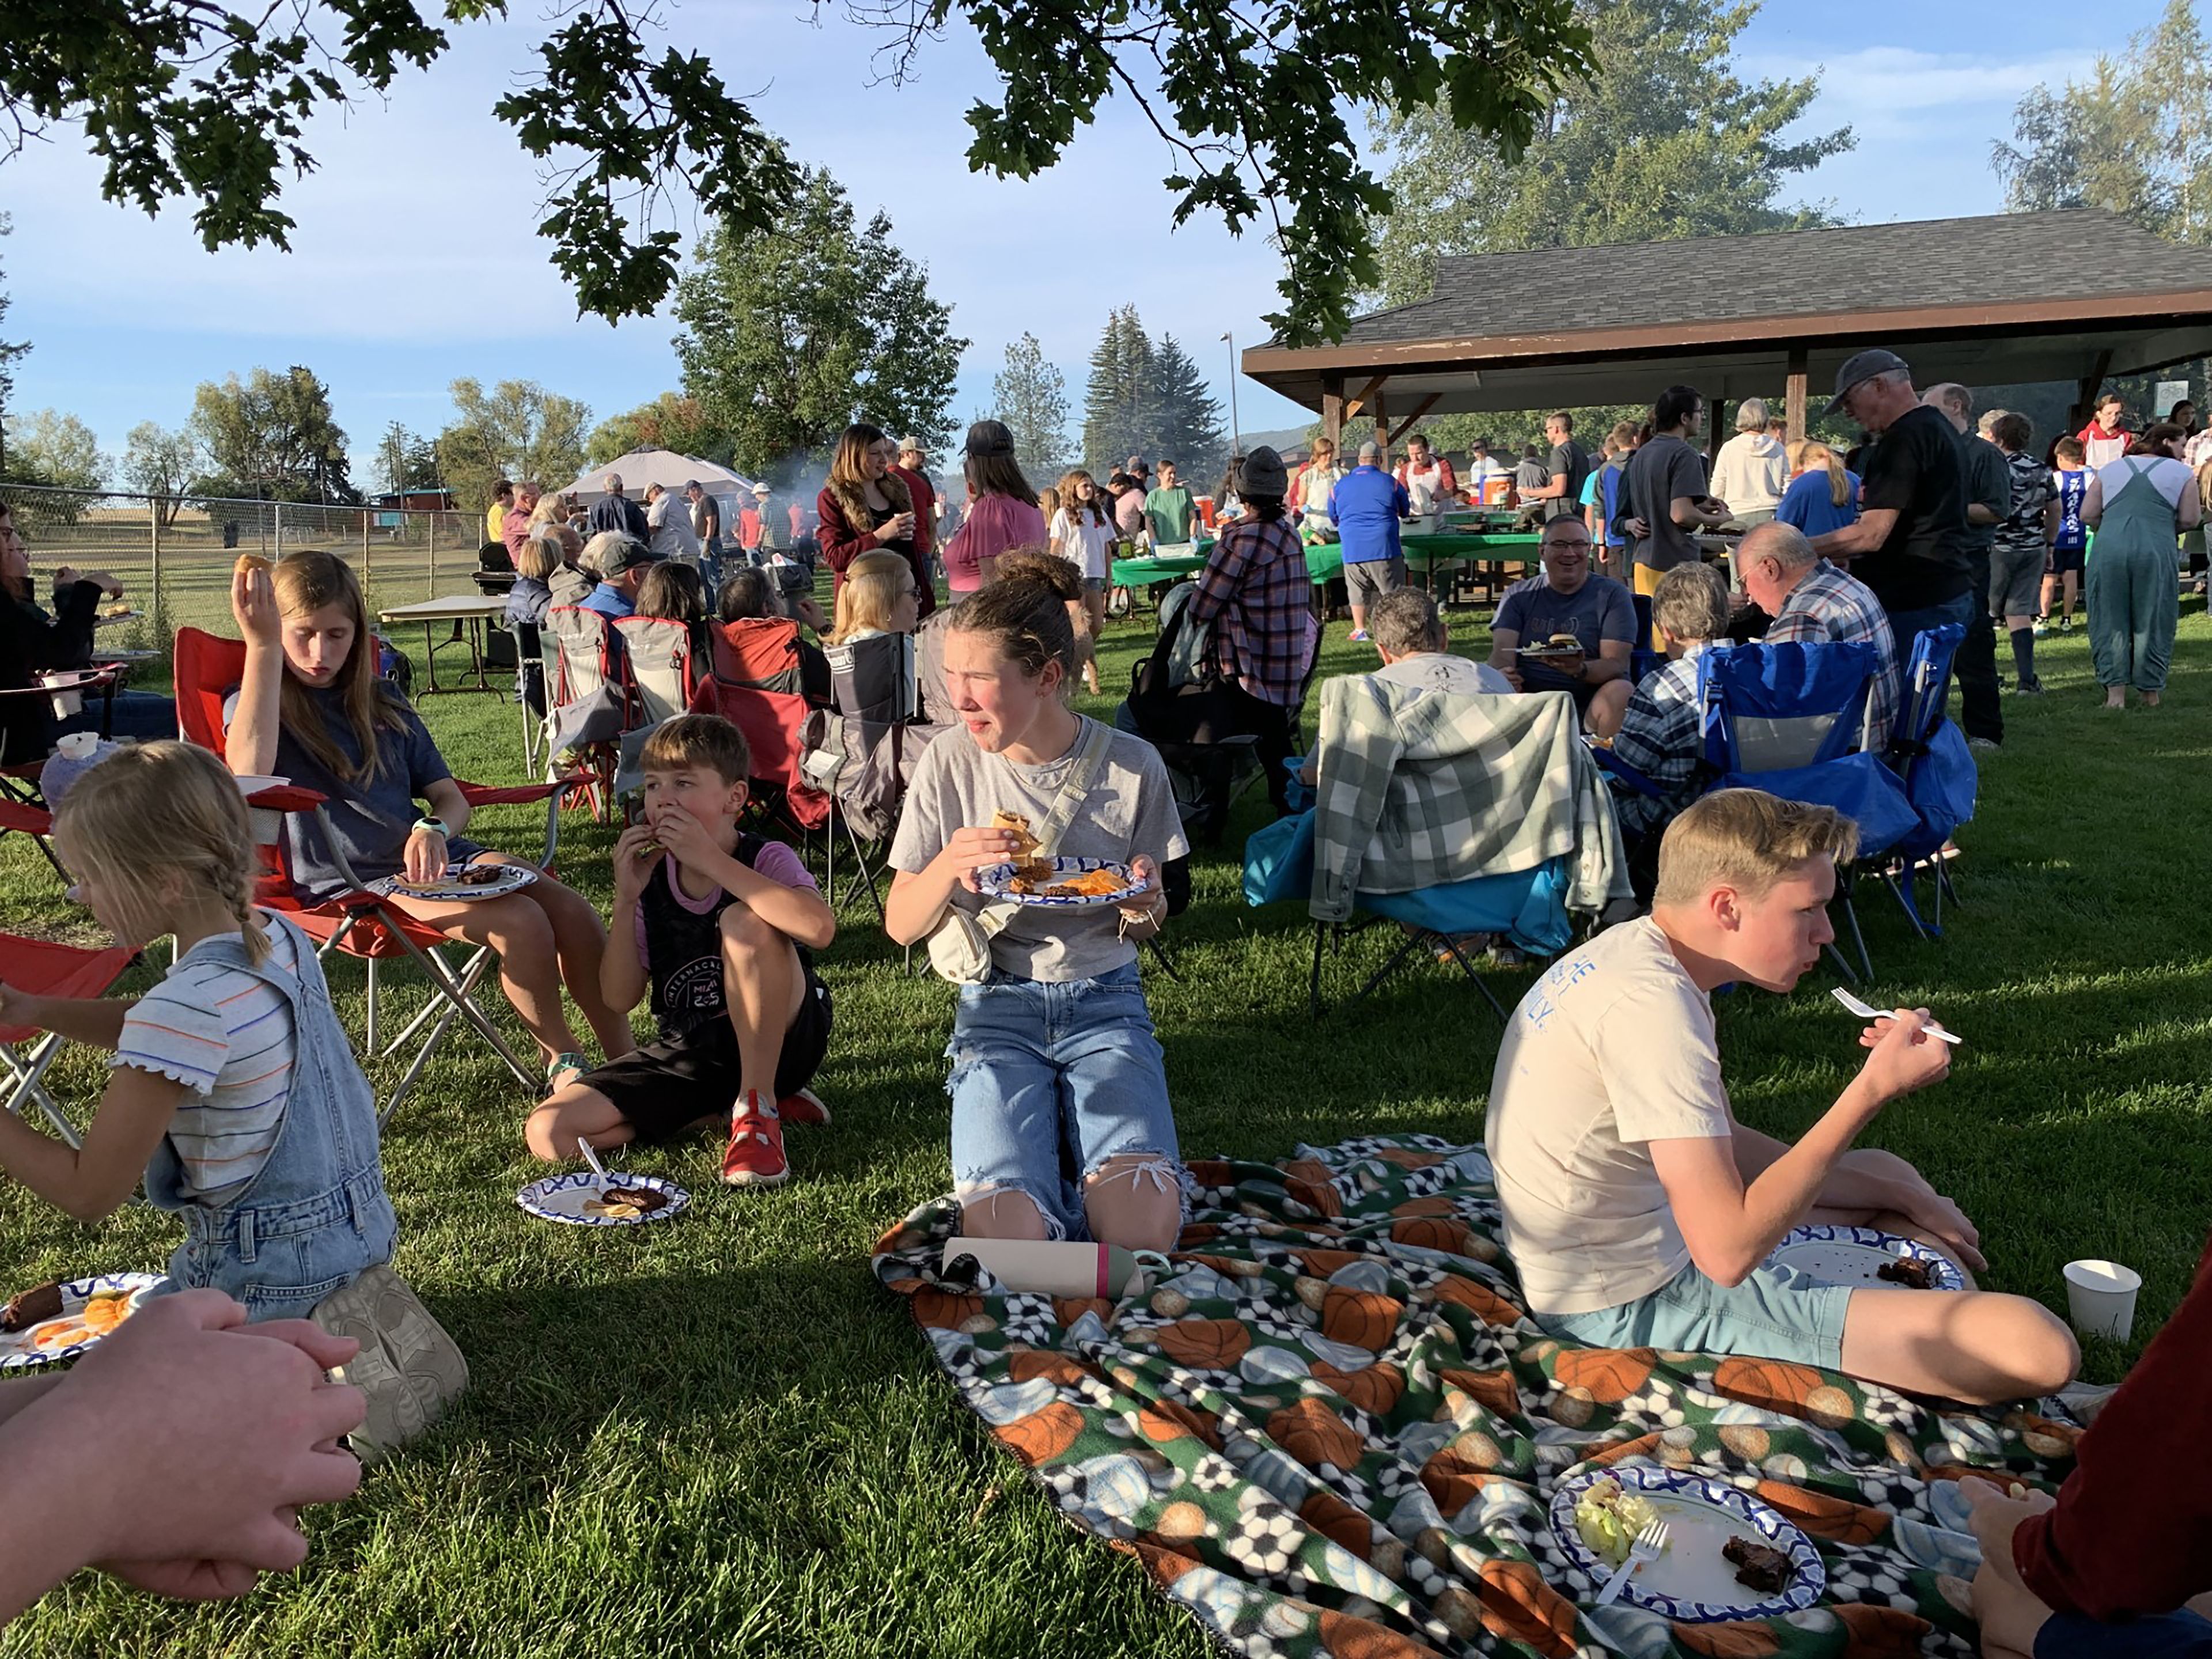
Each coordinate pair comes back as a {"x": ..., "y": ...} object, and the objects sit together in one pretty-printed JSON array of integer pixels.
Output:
[{"x": 435, "y": 828}]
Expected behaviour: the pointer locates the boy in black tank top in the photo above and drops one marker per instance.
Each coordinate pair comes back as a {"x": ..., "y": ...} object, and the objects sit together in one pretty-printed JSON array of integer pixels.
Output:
[{"x": 721, "y": 926}]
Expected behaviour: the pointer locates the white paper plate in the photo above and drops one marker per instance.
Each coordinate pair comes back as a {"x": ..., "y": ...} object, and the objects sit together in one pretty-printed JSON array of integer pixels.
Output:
[
  {"x": 111, "y": 622},
  {"x": 51, "y": 1342},
  {"x": 514, "y": 878},
  {"x": 1855, "y": 1255},
  {"x": 992, "y": 879},
  {"x": 1691, "y": 1582},
  {"x": 562, "y": 1198}
]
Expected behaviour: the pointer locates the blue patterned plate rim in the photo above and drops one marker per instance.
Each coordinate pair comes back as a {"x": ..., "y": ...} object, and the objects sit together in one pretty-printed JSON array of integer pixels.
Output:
[
  {"x": 992, "y": 879},
  {"x": 516, "y": 879},
  {"x": 76, "y": 1293},
  {"x": 534, "y": 1199},
  {"x": 1806, "y": 1583},
  {"x": 1945, "y": 1273}
]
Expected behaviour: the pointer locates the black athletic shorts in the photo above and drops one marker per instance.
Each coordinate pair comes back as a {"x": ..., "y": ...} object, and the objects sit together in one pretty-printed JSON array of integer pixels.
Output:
[{"x": 665, "y": 1087}]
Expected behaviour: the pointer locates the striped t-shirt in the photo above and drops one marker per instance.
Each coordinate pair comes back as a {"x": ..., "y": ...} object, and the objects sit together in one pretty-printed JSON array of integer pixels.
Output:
[{"x": 227, "y": 1037}]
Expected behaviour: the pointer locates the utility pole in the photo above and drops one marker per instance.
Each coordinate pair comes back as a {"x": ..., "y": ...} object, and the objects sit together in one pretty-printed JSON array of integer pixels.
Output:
[{"x": 1235, "y": 433}]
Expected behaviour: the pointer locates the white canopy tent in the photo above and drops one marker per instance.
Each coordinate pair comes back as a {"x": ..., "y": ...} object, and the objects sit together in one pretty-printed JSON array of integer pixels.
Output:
[{"x": 671, "y": 472}]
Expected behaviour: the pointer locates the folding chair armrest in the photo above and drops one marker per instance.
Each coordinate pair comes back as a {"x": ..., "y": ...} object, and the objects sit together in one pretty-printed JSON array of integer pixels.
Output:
[
  {"x": 517, "y": 794},
  {"x": 1613, "y": 766},
  {"x": 287, "y": 797}
]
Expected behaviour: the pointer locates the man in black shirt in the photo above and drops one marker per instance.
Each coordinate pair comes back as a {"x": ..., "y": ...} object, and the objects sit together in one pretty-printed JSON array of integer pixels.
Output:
[
  {"x": 1565, "y": 472},
  {"x": 1909, "y": 543}
]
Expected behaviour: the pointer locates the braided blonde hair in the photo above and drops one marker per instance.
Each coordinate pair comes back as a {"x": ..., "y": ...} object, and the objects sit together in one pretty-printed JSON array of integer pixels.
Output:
[{"x": 157, "y": 810}]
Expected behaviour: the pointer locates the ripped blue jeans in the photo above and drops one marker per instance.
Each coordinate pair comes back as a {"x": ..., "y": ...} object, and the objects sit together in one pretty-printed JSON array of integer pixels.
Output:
[{"x": 1050, "y": 1082}]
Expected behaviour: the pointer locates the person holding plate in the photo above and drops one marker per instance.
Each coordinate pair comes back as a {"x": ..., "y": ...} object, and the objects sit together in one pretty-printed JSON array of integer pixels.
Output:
[
  {"x": 1640, "y": 1214},
  {"x": 310, "y": 709},
  {"x": 1053, "y": 1047}
]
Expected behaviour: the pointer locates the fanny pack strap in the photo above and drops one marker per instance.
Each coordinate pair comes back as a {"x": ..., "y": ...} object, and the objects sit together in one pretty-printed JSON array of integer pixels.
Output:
[{"x": 1074, "y": 789}]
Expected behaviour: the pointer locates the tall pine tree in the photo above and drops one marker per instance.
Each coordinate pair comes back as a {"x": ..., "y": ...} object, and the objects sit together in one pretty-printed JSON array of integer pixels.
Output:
[
  {"x": 1186, "y": 417},
  {"x": 1118, "y": 404},
  {"x": 9, "y": 354}
]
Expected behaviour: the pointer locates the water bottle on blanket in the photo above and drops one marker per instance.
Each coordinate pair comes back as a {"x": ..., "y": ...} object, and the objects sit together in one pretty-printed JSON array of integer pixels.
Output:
[{"x": 1060, "y": 1267}]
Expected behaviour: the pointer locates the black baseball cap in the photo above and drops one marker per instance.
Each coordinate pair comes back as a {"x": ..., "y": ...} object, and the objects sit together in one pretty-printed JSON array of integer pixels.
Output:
[{"x": 1861, "y": 367}]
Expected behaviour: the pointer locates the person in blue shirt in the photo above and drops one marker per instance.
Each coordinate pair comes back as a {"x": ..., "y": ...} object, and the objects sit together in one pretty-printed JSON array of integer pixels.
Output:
[
  {"x": 1821, "y": 495},
  {"x": 2069, "y": 536},
  {"x": 1367, "y": 504},
  {"x": 623, "y": 563}
]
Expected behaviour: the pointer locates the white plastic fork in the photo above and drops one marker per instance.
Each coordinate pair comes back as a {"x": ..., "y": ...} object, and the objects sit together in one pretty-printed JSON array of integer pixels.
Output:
[
  {"x": 592, "y": 1158},
  {"x": 1647, "y": 1546},
  {"x": 1852, "y": 1005}
]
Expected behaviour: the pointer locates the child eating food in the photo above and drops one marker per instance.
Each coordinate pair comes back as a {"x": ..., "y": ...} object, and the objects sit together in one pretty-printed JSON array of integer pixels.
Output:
[
  {"x": 721, "y": 925},
  {"x": 312, "y": 709},
  {"x": 232, "y": 1093},
  {"x": 1053, "y": 1047}
]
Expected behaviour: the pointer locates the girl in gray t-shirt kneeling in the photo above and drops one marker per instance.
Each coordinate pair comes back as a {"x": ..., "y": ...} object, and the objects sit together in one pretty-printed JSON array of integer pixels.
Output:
[{"x": 1055, "y": 1045}]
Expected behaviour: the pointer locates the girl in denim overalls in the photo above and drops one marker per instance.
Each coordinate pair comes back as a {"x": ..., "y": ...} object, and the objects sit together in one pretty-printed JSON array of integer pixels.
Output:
[{"x": 234, "y": 1093}]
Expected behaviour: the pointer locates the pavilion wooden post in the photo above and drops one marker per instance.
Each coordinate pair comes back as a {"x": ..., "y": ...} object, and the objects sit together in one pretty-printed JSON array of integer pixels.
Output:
[
  {"x": 1793, "y": 397},
  {"x": 2085, "y": 403},
  {"x": 1331, "y": 412},
  {"x": 1715, "y": 423},
  {"x": 1382, "y": 429}
]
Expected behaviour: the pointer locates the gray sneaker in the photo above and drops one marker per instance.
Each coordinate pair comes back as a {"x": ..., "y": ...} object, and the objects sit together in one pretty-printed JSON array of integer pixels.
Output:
[{"x": 408, "y": 1367}]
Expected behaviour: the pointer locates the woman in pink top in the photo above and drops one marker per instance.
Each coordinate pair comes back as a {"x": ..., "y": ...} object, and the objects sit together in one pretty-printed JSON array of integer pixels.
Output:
[{"x": 1002, "y": 511}]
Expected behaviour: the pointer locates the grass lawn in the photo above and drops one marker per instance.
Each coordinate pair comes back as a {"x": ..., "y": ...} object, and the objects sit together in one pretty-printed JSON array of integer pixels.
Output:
[{"x": 724, "y": 1436}]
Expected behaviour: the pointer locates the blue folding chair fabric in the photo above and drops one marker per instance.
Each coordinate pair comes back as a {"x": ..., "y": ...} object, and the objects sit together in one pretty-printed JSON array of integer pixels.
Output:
[
  {"x": 1928, "y": 750},
  {"x": 1529, "y": 907},
  {"x": 1789, "y": 720},
  {"x": 1767, "y": 708}
]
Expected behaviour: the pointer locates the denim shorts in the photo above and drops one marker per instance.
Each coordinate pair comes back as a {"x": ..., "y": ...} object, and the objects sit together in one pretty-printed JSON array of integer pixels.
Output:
[
  {"x": 2163, "y": 1636},
  {"x": 1049, "y": 1082},
  {"x": 1777, "y": 1313}
]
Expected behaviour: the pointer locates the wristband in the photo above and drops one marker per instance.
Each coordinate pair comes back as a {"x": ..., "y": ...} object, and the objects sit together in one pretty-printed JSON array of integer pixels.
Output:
[{"x": 435, "y": 828}]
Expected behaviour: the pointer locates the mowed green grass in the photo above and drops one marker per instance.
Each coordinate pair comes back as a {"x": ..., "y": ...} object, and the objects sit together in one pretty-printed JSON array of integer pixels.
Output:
[{"x": 722, "y": 1435}]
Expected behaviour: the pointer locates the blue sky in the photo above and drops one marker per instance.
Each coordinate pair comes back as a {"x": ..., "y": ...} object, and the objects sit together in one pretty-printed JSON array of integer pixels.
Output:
[{"x": 415, "y": 261}]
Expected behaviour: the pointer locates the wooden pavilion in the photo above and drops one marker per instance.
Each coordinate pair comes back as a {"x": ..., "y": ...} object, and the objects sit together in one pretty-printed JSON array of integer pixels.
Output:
[{"x": 2076, "y": 296}]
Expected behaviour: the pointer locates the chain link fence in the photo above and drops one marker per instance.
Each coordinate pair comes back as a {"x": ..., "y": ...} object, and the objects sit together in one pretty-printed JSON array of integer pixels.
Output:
[{"x": 175, "y": 555}]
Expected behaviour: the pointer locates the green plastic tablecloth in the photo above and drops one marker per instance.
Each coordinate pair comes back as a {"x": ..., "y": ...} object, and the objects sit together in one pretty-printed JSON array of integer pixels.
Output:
[{"x": 1428, "y": 550}]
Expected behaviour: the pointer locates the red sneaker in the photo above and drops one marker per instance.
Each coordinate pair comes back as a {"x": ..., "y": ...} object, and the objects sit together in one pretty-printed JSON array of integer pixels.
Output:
[
  {"x": 755, "y": 1158},
  {"x": 805, "y": 1106}
]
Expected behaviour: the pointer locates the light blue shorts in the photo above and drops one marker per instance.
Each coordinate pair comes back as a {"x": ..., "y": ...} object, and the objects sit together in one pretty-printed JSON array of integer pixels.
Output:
[
  {"x": 1050, "y": 1082},
  {"x": 1777, "y": 1313}
]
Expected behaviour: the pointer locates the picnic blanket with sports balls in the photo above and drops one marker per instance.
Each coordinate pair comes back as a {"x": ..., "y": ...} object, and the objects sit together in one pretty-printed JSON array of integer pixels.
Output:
[{"x": 1329, "y": 1430}]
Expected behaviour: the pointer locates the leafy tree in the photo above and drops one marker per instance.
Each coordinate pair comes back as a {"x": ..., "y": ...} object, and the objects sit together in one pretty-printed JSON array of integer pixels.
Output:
[
  {"x": 1186, "y": 418},
  {"x": 671, "y": 421},
  {"x": 185, "y": 98},
  {"x": 55, "y": 448},
  {"x": 1030, "y": 395},
  {"x": 160, "y": 463},
  {"x": 792, "y": 334},
  {"x": 519, "y": 431},
  {"x": 9, "y": 354},
  {"x": 2134, "y": 134},
  {"x": 1118, "y": 406},
  {"x": 271, "y": 437},
  {"x": 1660, "y": 139}
]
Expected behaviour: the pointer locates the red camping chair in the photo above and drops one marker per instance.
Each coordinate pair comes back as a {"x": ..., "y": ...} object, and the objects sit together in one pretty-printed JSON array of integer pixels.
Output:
[
  {"x": 47, "y": 969},
  {"x": 774, "y": 725},
  {"x": 357, "y": 922},
  {"x": 23, "y": 818},
  {"x": 758, "y": 653}
]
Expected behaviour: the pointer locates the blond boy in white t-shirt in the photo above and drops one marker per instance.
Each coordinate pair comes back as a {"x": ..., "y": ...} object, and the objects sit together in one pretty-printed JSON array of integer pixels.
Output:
[{"x": 1640, "y": 1213}]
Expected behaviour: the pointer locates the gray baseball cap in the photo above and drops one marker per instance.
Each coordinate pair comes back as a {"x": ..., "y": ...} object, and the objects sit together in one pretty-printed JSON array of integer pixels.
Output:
[{"x": 1861, "y": 367}]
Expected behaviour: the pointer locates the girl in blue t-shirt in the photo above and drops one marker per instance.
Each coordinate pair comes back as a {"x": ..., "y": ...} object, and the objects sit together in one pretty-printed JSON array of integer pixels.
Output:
[
  {"x": 1822, "y": 495},
  {"x": 312, "y": 709}
]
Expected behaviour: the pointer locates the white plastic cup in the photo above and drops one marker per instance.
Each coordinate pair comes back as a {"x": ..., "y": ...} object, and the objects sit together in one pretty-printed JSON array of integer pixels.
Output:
[
  {"x": 2101, "y": 1298},
  {"x": 67, "y": 703}
]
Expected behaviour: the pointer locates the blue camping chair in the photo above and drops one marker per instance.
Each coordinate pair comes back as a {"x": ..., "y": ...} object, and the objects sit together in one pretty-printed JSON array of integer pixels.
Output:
[
  {"x": 1529, "y": 907},
  {"x": 1788, "y": 719},
  {"x": 1929, "y": 752}
]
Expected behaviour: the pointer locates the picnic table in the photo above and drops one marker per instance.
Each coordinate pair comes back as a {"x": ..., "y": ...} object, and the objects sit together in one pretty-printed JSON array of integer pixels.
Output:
[
  {"x": 1153, "y": 568},
  {"x": 1427, "y": 551},
  {"x": 468, "y": 612}
]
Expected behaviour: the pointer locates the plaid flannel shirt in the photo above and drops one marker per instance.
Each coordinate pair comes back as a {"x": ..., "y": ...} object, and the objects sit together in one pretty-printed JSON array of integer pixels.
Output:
[
  {"x": 1662, "y": 736},
  {"x": 1419, "y": 788},
  {"x": 1829, "y": 605},
  {"x": 1254, "y": 593}
]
